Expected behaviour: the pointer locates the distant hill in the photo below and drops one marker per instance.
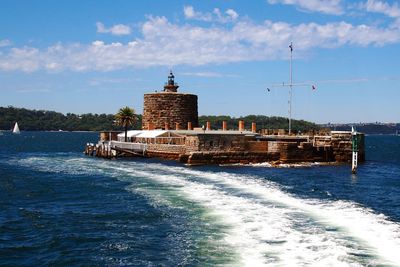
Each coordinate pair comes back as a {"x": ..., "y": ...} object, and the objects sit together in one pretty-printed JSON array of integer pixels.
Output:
[
  {"x": 42, "y": 120},
  {"x": 367, "y": 128}
]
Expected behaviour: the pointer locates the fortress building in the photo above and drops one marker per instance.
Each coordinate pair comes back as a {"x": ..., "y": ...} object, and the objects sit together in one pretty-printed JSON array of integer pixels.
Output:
[
  {"x": 170, "y": 130},
  {"x": 169, "y": 109}
]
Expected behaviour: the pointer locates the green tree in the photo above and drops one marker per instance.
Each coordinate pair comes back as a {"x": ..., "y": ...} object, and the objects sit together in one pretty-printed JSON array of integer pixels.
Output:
[{"x": 125, "y": 117}]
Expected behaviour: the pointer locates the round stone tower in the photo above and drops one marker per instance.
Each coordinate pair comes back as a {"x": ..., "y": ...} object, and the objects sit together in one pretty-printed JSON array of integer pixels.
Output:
[{"x": 169, "y": 109}]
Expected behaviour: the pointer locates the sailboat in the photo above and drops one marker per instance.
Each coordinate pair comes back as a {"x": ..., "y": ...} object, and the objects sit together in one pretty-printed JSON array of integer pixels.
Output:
[{"x": 16, "y": 129}]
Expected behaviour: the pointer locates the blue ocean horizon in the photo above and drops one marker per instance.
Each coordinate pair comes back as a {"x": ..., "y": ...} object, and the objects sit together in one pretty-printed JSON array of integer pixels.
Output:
[{"x": 60, "y": 207}]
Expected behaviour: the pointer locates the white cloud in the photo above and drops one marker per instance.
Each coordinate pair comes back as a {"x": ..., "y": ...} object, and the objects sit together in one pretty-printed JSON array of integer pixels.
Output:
[
  {"x": 382, "y": 7},
  {"x": 194, "y": 45},
  {"x": 209, "y": 74},
  {"x": 189, "y": 12},
  {"x": 333, "y": 7},
  {"x": 230, "y": 15},
  {"x": 396, "y": 24},
  {"x": 204, "y": 74},
  {"x": 118, "y": 29},
  {"x": 25, "y": 59},
  {"x": 5, "y": 42},
  {"x": 101, "y": 81}
]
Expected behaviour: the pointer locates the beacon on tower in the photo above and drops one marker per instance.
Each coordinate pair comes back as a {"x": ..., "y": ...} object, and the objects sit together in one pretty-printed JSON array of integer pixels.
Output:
[
  {"x": 169, "y": 109},
  {"x": 171, "y": 85}
]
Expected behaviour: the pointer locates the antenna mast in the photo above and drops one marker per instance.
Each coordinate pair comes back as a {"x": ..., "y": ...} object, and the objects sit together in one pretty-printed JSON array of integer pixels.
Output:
[
  {"x": 290, "y": 85},
  {"x": 290, "y": 88}
]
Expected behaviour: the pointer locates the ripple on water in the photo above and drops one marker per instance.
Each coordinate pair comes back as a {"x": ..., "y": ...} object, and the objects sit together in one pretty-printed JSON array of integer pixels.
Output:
[{"x": 65, "y": 209}]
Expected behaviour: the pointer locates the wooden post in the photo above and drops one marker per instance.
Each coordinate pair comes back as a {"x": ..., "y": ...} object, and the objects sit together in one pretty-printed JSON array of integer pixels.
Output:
[
  {"x": 189, "y": 126},
  {"x": 166, "y": 126}
]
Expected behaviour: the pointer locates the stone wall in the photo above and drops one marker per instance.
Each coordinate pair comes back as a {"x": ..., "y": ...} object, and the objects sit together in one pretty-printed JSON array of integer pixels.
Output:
[
  {"x": 226, "y": 157},
  {"x": 293, "y": 152},
  {"x": 323, "y": 154},
  {"x": 163, "y": 155},
  {"x": 223, "y": 142},
  {"x": 342, "y": 147},
  {"x": 178, "y": 149},
  {"x": 191, "y": 143},
  {"x": 169, "y": 108},
  {"x": 273, "y": 147},
  {"x": 172, "y": 152},
  {"x": 258, "y": 146}
]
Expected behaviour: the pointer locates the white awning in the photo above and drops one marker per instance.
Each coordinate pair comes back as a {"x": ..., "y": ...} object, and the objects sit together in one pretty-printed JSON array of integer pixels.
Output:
[
  {"x": 143, "y": 134},
  {"x": 131, "y": 133},
  {"x": 151, "y": 134}
]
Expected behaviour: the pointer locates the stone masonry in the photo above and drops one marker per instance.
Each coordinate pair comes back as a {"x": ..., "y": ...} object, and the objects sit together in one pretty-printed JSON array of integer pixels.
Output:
[{"x": 169, "y": 108}]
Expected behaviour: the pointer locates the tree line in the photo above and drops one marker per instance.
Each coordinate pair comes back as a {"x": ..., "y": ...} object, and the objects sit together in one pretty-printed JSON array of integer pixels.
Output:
[
  {"x": 263, "y": 122},
  {"x": 42, "y": 120}
]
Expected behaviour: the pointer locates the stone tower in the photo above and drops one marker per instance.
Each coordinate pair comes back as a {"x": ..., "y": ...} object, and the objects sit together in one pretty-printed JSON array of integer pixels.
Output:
[{"x": 169, "y": 109}]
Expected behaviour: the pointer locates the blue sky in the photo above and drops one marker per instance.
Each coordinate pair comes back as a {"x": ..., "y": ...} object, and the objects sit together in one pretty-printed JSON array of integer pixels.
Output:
[{"x": 97, "y": 56}]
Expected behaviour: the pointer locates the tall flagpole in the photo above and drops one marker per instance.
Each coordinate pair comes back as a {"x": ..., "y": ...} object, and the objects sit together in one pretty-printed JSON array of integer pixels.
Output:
[{"x": 290, "y": 88}]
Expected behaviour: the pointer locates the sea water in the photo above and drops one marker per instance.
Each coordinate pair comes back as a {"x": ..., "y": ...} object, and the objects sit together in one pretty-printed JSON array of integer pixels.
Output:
[{"x": 59, "y": 207}]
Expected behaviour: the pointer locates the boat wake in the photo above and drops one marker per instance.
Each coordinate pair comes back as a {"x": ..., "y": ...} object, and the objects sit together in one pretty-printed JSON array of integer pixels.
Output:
[{"x": 262, "y": 223}]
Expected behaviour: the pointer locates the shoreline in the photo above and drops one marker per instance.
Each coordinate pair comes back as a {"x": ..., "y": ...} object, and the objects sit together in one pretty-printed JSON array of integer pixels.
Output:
[
  {"x": 89, "y": 131},
  {"x": 52, "y": 131}
]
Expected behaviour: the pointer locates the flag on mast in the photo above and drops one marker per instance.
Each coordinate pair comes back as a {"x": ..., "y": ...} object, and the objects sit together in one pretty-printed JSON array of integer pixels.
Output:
[{"x": 291, "y": 47}]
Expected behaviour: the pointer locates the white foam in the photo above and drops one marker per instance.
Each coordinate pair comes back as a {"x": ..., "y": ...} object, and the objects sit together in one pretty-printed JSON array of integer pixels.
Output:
[
  {"x": 261, "y": 232},
  {"x": 375, "y": 233},
  {"x": 376, "y": 230},
  {"x": 281, "y": 165},
  {"x": 266, "y": 225}
]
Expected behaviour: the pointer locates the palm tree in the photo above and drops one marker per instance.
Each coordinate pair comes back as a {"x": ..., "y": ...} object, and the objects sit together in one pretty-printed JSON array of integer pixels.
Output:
[{"x": 125, "y": 117}]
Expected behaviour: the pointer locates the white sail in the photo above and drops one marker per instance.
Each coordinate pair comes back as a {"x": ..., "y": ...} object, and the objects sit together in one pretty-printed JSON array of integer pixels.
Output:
[{"x": 16, "y": 128}]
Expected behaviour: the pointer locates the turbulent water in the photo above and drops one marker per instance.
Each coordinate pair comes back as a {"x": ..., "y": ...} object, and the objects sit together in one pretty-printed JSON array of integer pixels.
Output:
[{"x": 59, "y": 207}]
